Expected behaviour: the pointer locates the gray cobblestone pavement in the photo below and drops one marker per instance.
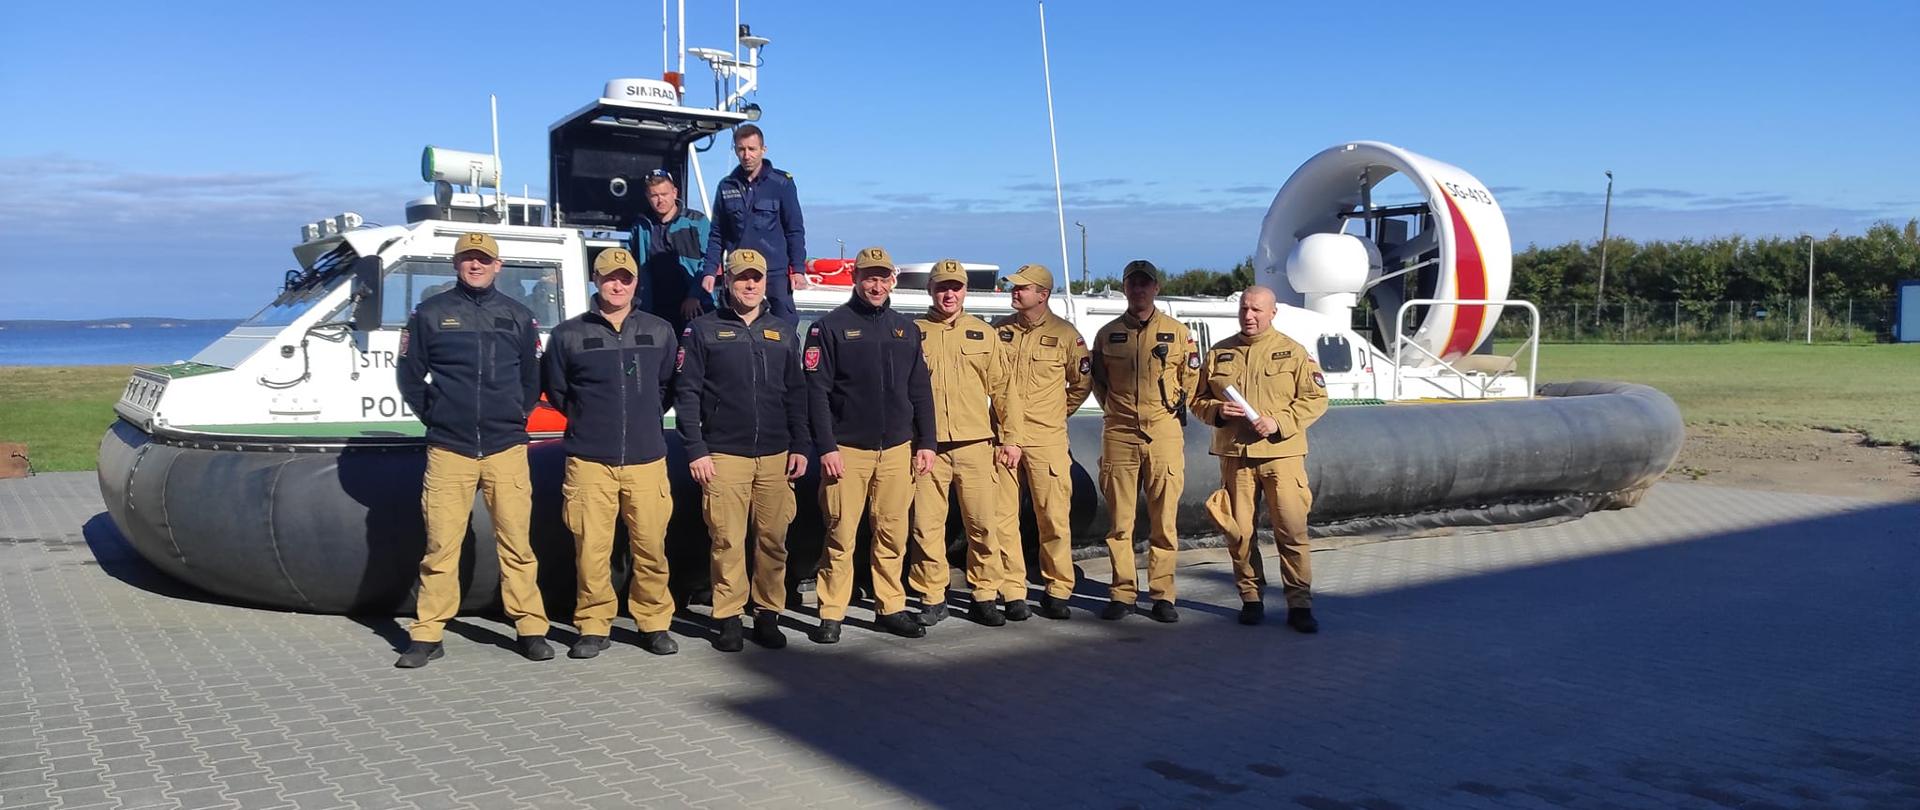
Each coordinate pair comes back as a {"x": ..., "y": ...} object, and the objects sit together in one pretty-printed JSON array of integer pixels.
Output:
[{"x": 1712, "y": 648}]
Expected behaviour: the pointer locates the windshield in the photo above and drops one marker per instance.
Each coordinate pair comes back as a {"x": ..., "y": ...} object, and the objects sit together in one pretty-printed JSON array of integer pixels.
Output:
[
  {"x": 410, "y": 281},
  {"x": 304, "y": 290}
]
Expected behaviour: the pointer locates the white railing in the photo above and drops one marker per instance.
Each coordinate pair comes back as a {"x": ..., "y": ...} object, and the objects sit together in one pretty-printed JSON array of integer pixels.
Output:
[{"x": 1484, "y": 382}]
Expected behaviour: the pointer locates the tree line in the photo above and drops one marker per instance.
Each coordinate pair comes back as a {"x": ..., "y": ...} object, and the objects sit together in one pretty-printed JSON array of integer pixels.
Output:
[{"x": 1696, "y": 273}]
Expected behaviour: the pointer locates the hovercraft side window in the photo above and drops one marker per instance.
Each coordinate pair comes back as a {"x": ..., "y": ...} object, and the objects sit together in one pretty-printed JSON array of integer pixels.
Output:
[
  {"x": 410, "y": 281},
  {"x": 302, "y": 289}
]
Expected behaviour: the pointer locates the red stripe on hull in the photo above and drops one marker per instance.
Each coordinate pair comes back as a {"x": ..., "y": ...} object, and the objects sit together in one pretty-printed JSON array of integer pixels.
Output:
[{"x": 1471, "y": 276}]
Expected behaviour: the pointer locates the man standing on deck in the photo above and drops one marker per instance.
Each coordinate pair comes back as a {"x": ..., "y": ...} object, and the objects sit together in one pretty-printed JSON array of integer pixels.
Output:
[
  {"x": 870, "y": 399},
  {"x": 1051, "y": 375},
  {"x": 968, "y": 366},
  {"x": 757, "y": 207},
  {"x": 746, "y": 444},
  {"x": 610, "y": 371},
  {"x": 1261, "y": 440},
  {"x": 1145, "y": 367},
  {"x": 671, "y": 245},
  {"x": 478, "y": 347}
]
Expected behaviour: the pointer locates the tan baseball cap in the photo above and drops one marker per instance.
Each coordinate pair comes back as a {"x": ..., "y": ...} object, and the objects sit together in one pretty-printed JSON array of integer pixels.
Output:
[
  {"x": 1141, "y": 267},
  {"x": 947, "y": 270},
  {"x": 478, "y": 242},
  {"x": 744, "y": 259},
  {"x": 613, "y": 259},
  {"x": 873, "y": 257},
  {"x": 1035, "y": 274}
]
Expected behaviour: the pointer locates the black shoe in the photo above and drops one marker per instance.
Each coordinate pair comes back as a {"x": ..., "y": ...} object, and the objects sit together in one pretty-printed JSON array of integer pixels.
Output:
[
  {"x": 1051, "y": 608},
  {"x": 1018, "y": 610},
  {"x": 588, "y": 646},
  {"x": 1252, "y": 612},
  {"x": 901, "y": 624},
  {"x": 732, "y": 635},
  {"x": 419, "y": 653},
  {"x": 1163, "y": 612},
  {"x": 931, "y": 615},
  {"x": 766, "y": 630},
  {"x": 828, "y": 632},
  {"x": 659, "y": 642},
  {"x": 987, "y": 613},
  {"x": 1115, "y": 610},
  {"x": 1302, "y": 619},
  {"x": 535, "y": 648}
]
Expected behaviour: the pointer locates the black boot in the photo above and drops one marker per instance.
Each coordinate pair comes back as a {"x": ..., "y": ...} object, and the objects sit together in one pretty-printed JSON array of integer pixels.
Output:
[
  {"x": 827, "y": 633},
  {"x": 732, "y": 635},
  {"x": 1301, "y": 619},
  {"x": 535, "y": 648},
  {"x": 659, "y": 642},
  {"x": 1051, "y": 608},
  {"x": 1115, "y": 610},
  {"x": 1163, "y": 612},
  {"x": 766, "y": 630},
  {"x": 1252, "y": 612},
  {"x": 1018, "y": 610},
  {"x": 588, "y": 646},
  {"x": 419, "y": 653},
  {"x": 987, "y": 613},
  {"x": 931, "y": 615},
  {"x": 901, "y": 624}
]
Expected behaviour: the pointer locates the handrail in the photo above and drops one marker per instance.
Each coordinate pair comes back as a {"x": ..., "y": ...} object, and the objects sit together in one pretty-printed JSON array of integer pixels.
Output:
[{"x": 1485, "y": 384}]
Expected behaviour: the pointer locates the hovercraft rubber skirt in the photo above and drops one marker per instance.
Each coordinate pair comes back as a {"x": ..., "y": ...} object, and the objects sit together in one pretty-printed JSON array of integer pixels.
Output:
[{"x": 338, "y": 529}]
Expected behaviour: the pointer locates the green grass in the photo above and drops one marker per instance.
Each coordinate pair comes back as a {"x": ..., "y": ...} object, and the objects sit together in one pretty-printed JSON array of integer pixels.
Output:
[
  {"x": 1874, "y": 390},
  {"x": 59, "y": 412}
]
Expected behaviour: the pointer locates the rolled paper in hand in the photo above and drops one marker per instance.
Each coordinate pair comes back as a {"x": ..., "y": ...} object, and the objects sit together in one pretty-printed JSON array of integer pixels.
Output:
[{"x": 1253, "y": 417}]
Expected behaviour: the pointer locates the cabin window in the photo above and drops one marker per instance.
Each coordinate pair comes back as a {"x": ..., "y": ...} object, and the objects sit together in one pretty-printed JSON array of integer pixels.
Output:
[
  {"x": 410, "y": 281},
  {"x": 304, "y": 289}
]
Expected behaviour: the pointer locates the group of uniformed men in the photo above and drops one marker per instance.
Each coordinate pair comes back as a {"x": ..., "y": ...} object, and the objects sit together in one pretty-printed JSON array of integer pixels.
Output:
[{"x": 902, "y": 413}]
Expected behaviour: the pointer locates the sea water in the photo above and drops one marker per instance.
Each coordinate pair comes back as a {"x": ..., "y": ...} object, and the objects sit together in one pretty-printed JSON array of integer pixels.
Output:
[{"x": 92, "y": 343}]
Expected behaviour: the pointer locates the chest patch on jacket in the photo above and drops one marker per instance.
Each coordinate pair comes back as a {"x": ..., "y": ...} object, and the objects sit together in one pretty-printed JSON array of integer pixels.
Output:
[
  {"x": 450, "y": 323},
  {"x": 850, "y": 334},
  {"x": 1117, "y": 337},
  {"x": 975, "y": 334},
  {"x": 1283, "y": 355},
  {"x": 899, "y": 333},
  {"x": 1223, "y": 357},
  {"x": 1006, "y": 336},
  {"x": 646, "y": 340},
  {"x": 771, "y": 334},
  {"x": 1164, "y": 337},
  {"x": 593, "y": 343},
  {"x": 725, "y": 334},
  {"x": 1049, "y": 340},
  {"x": 503, "y": 323}
]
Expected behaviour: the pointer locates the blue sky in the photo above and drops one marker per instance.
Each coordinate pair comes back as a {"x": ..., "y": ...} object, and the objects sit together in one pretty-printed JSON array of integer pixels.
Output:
[{"x": 158, "y": 159}]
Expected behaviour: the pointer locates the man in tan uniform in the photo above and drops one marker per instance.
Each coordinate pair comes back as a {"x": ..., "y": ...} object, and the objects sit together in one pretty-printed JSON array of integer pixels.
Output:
[
  {"x": 1051, "y": 375},
  {"x": 1263, "y": 444},
  {"x": 1144, "y": 368},
  {"x": 967, "y": 362}
]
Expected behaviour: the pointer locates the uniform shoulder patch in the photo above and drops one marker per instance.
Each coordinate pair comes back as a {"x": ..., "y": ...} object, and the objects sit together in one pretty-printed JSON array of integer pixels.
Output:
[
  {"x": 1086, "y": 364},
  {"x": 687, "y": 331},
  {"x": 1319, "y": 379},
  {"x": 1079, "y": 341},
  {"x": 1193, "y": 360},
  {"x": 680, "y": 359},
  {"x": 811, "y": 360},
  {"x": 403, "y": 342}
]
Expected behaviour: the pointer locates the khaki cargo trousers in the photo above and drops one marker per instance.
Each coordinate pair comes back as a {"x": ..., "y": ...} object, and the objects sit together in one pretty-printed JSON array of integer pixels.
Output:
[
  {"x": 748, "y": 490},
  {"x": 884, "y": 479},
  {"x": 597, "y": 496},
  {"x": 446, "y": 502}
]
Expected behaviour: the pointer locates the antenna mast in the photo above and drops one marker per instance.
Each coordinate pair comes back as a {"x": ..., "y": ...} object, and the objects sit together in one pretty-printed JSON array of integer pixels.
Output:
[
  {"x": 499, "y": 184},
  {"x": 1053, "y": 139}
]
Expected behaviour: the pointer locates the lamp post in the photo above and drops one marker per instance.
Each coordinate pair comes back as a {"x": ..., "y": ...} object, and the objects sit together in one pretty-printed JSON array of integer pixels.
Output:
[
  {"x": 843, "y": 250},
  {"x": 1606, "y": 221},
  {"x": 1084, "y": 283},
  {"x": 1809, "y": 238}
]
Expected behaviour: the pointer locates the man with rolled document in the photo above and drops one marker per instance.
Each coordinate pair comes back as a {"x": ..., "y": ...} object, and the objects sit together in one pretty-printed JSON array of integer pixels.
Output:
[{"x": 1260, "y": 390}]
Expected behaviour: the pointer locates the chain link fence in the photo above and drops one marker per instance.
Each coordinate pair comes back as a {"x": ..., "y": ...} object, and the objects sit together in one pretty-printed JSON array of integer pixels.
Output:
[{"x": 1842, "y": 320}]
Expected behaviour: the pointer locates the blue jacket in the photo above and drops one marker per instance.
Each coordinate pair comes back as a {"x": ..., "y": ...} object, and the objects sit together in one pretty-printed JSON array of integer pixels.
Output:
[
  {"x": 868, "y": 383},
  {"x": 763, "y": 214},
  {"x": 669, "y": 277},
  {"x": 612, "y": 385},
  {"x": 736, "y": 385},
  {"x": 479, "y": 346}
]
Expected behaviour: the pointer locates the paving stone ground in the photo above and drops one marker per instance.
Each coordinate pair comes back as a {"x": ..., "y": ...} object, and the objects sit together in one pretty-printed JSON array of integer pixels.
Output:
[{"x": 1712, "y": 648}]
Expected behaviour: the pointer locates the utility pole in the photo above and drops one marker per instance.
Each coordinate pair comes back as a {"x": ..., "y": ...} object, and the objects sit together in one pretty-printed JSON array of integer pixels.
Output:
[
  {"x": 1809, "y": 238},
  {"x": 1084, "y": 281},
  {"x": 843, "y": 250},
  {"x": 1606, "y": 221}
]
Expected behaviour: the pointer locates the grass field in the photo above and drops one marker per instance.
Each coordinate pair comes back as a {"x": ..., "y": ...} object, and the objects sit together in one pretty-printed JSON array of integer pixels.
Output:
[
  {"x": 1874, "y": 390},
  {"x": 60, "y": 412}
]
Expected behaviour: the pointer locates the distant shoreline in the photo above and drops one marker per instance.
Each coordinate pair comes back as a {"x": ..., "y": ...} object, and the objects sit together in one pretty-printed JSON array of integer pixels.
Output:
[{"x": 34, "y": 324}]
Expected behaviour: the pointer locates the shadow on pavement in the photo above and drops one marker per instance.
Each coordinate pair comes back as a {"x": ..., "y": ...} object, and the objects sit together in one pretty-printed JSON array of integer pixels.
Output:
[{"x": 1772, "y": 666}]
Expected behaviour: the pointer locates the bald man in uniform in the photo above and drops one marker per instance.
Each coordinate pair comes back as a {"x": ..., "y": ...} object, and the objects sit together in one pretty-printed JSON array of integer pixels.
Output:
[{"x": 1262, "y": 444}]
